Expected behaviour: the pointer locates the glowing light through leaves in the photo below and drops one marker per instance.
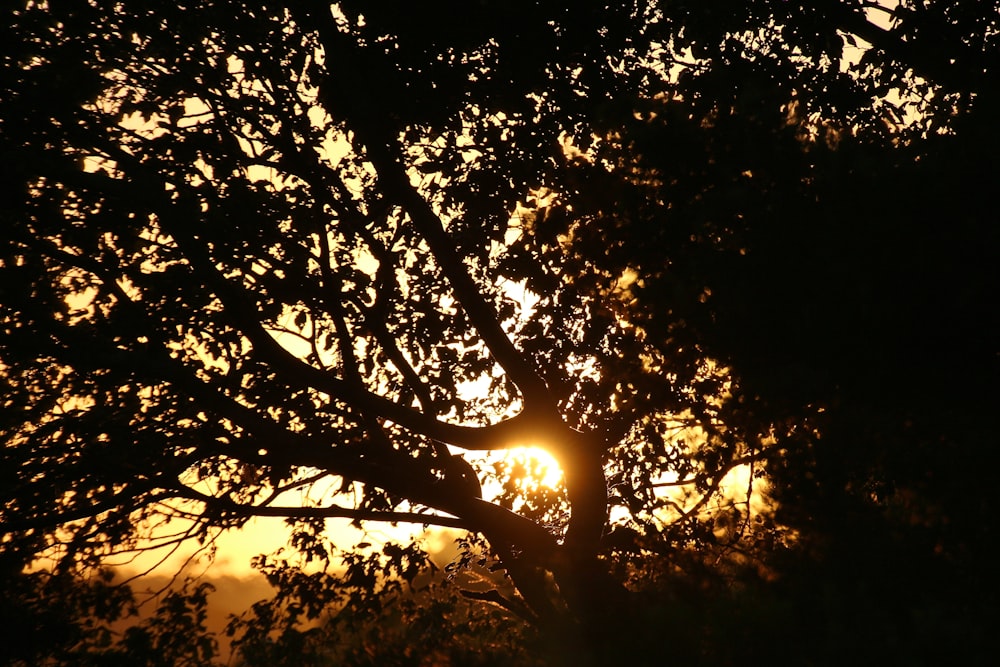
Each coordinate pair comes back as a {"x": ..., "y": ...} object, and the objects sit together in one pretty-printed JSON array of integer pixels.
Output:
[{"x": 532, "y": 468}]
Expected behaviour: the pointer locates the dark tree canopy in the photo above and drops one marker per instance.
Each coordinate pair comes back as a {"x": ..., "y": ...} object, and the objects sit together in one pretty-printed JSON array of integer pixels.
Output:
[{"x": 252, "y": 249}]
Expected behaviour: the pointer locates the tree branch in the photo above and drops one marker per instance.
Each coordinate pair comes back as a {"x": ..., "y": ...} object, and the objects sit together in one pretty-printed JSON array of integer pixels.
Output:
[
  {"x": 382, "y": 149},
  {"x": 176, "y": 217},
  {"x": 328, "y": 512}
]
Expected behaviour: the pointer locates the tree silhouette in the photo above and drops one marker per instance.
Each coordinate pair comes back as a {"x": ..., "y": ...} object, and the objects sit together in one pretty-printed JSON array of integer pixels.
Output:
[{"x": 251, "y": 249}]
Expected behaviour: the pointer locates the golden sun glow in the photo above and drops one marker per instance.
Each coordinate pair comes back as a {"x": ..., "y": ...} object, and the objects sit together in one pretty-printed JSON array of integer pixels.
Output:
[{"x": 534, "y": 467}]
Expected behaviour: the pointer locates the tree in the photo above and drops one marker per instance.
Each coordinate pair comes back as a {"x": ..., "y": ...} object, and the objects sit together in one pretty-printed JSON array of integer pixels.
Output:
[
  {"x": 251, "y": 249},
  {"x": 62, "y": 619}
]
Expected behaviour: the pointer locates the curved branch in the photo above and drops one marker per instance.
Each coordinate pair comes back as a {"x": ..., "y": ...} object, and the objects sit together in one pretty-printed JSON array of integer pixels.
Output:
[
  {"x": 175, "y": 216},
  {"x": 327, "y": 512},
  {"x": 392, "y": 472},
  {"x": 512, "y": 605}
]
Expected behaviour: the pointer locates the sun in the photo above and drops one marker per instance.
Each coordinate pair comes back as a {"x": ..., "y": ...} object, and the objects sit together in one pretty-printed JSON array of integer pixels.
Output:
[{"x": 539, "y": 468}]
